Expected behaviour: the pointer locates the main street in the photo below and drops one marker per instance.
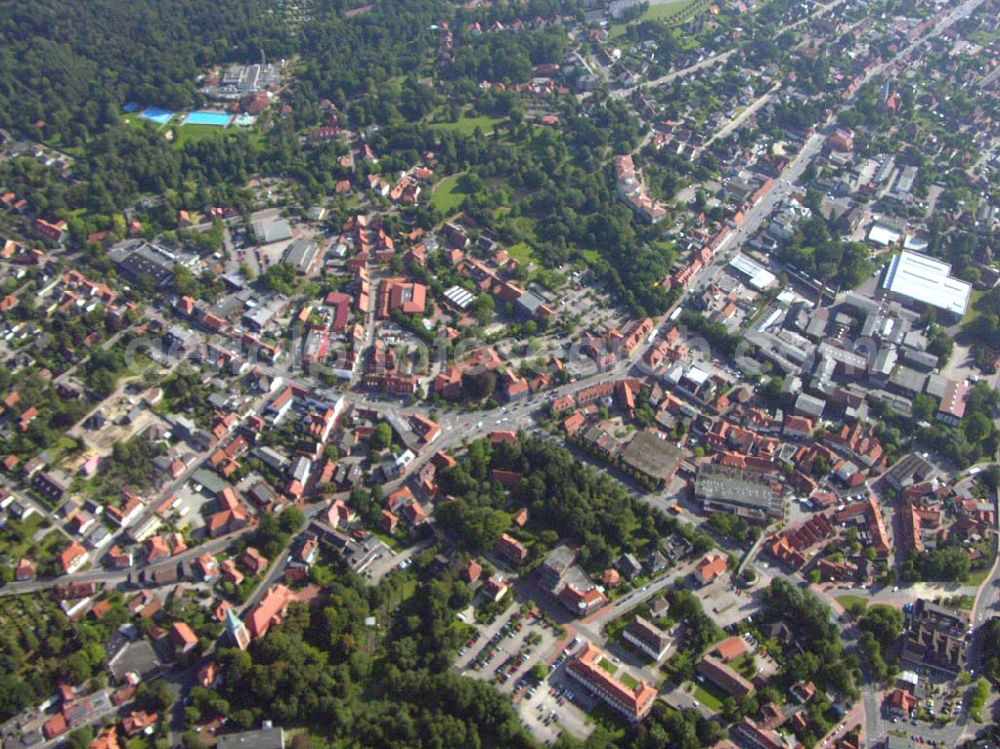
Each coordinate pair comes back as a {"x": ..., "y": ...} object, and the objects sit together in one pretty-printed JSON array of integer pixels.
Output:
[{"x": 124, "y": 576}]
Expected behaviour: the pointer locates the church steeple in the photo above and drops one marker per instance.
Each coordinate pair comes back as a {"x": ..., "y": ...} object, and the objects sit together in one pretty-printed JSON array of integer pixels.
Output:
[{"x": 237, "y": 630}]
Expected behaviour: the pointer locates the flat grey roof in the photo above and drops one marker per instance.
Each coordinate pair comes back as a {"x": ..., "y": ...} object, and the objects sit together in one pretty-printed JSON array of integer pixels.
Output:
[
  {"x": 301, "y": 254},
  {"x": 652, "y": 455},
  {"x": 265, "y": 738},
  {"x": 275, "y": 230},
  {"x": 727, "y": 484}
]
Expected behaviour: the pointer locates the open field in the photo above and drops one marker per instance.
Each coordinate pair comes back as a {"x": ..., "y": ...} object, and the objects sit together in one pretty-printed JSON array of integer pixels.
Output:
[
  {"x": 446, "y": 196},
  {"x": 706, "y": 698},
  {"x": 849, "y": 602},
  {"x": 671, "y": 11},
  {"x": 522, "y": 253},
  {"x": 467, "y": 125}
]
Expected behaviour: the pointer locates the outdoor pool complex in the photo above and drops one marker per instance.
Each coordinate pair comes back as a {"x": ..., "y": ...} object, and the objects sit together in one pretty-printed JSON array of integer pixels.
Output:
[
  {"x": 219, "y": 119},
  {"x": 157, "y": 115}
]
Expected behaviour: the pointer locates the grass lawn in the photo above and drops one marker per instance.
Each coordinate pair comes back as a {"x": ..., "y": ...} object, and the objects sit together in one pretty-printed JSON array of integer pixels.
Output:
[
  {"x": 467, "y": 125},
  {"x": 522, "y": 253},
  {"x": 591, "y": 256},
  {"x": 965, "y": 603},
  {"x": 609, "y": 720},
  {"x": 628, "y": 680},
  {"x": 977, "y": 577},
  {"x": 973, "y": 311},
  {"x": 134, "y": 120},
  {"x": 447, "y": 197},
  {"x": 63, "y": 444},
  {"x": 745, "y": 665},
  {"x": 667, "y": 11},
  {"x": 388, "y": 540},
  {"x": 852, "y": 602},
  {"x": 190, "y": 133},
  {"x": 18, "y": 536},
  {"x": 408, "y": 590},
  {"x": 706, "y": 698},
  {"x": 608, "y": 666}
]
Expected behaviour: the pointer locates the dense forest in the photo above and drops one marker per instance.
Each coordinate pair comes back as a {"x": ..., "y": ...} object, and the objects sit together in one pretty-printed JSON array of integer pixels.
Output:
[{"x": 72, "y": 66}]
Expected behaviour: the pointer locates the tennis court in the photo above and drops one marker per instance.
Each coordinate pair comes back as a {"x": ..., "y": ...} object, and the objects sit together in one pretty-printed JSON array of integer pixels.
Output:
[
  {"x": 201, "y": 117},
  {"x": 157, "y": 115}
]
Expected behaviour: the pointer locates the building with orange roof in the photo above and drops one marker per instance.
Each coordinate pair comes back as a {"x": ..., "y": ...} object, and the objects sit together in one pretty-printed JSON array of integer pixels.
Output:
[
  {"x": 208, "y": 567},
  {"x": 471, "y": 572},
  {"x": 899, "y": 703},
  {"x": 227, "y": 521},
  {"x": 230, "y": 573},
  {"x": 26, "y": 570},
  {"x": 108, "y": 739},
  {"x": 582, "y": 602},
  {"x": 208, "y": 674},
  {"x": 711, "y": 567},
  {"x": 724, "y": 677},
  {"x": 138, "y": 721},
  {"x": 270, "y": 611},
  {"x": 339, "y": 512},
  {"x": 156, "y": 548},
  {"x": 73, "y": 558},
  {"x": 55, "y": 726},
  {"x": 389, "y": 521},
  {"x": 633, "y": 704},
  {"x": 399, "y": 294},
  {"x": 182, "y": 637},
  {"x": 415, "y": 514},
  {"x": 512, "y": 550},
  {"x": 119, "y": 558},
  {"x": 731, "y": 648},
  {"x": 254, "y": 561}
]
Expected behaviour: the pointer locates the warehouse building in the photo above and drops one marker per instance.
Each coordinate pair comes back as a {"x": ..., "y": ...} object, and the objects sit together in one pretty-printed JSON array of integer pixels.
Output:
[{"x": 919, "y": 281}]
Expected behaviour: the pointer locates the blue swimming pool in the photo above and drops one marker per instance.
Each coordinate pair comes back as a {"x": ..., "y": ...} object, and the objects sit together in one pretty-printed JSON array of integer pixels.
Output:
[
  {"x": 157, "y": 115},
  {"x": 219, "y": 119}
]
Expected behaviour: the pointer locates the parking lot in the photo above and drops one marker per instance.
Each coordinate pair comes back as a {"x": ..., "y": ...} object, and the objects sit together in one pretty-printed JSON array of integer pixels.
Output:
[
  {"x": 727, "y": 606},
  {"x": 590, "y": 308},
  {"x": 194, "y": 506},
  {"x": 506, "y": 649},
  {"x": 505, "y": 653},
  {"x": 555, "y": 707},
  {"x": 387, "y": 561}
]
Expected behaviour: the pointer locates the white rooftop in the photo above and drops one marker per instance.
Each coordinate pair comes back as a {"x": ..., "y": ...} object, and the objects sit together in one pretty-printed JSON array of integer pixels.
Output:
[
  {"x": 927, "y": 281},
  {"x": 460, "y": 297},
  {"x": 698, "y": 375},
  {"x": 883, "y": 235},
  {"x": 758, "y": 276}
]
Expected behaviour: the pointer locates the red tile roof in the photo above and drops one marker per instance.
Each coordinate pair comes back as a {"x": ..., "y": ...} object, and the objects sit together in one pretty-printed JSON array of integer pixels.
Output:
[
  {"x": 586, "y": 666},
  {"x": 731, "y": 648}
]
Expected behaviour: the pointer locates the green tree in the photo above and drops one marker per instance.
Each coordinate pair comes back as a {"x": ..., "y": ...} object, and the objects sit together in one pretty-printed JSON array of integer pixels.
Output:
[{"x": 381, "y": 436}]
